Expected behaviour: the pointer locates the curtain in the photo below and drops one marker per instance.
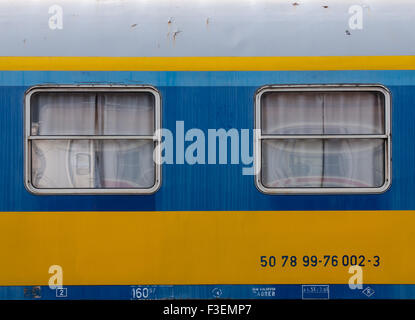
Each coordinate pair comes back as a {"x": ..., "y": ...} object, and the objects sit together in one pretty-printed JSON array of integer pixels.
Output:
[
  {"x": 323, "y": 163},
  {"x": 93, "y": 163}
]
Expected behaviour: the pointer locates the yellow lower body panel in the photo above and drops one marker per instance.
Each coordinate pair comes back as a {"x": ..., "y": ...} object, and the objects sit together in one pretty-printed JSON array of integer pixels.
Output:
[{"x": 221, "y": 247}]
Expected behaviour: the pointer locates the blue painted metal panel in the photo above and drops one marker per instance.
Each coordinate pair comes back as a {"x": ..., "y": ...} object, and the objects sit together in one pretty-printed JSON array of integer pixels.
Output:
[{"x": 207, "y": 100}]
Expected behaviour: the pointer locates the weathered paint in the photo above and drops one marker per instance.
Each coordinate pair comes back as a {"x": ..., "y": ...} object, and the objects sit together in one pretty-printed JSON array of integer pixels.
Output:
[{"x": 179, "y": 28}]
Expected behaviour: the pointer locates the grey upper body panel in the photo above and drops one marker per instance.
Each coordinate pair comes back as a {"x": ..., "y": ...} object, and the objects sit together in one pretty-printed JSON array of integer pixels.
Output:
[{"x": 206, "y": 28}]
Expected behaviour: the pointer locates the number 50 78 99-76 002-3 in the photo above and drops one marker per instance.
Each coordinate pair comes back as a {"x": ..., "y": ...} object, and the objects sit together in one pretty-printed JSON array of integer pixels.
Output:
[{"x": 319, "y": 261}]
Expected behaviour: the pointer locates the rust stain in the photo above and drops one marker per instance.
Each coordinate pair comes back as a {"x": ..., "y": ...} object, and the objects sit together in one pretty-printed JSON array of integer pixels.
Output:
[
  {"x": 325, "y": 7},
  {"x": 172, "y": 34},
  {"x": 175, "y": 33},
  {"x": 296, "y": 4}
]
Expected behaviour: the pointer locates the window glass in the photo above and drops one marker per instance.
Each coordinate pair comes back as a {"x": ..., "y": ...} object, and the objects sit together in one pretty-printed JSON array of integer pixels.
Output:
[
  {"x": 317, "y": 163},
  {"x": 315, "y": 139},
  {"x": 93, "y": 114},
  {"x": 126, "y": 114},
  {"x": 92, "y": 164},
  {"x": 63, "y": 114}
]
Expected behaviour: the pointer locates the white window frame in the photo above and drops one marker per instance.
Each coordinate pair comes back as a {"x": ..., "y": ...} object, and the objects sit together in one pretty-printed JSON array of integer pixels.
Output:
[
  {"x": 156, "y": 137},
  {"x": 323, "y": 88}
]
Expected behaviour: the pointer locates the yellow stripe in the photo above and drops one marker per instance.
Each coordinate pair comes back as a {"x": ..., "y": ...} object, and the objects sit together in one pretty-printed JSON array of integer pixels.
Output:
[
  {"x": 109, "y": 248},
  {"x": 208, "y": 63}
]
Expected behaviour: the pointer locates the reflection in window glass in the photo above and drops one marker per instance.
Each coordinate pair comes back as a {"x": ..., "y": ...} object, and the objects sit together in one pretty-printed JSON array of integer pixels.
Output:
[
  {"x": 92, "y": 164},
  {"x": 323, "y": 113}
]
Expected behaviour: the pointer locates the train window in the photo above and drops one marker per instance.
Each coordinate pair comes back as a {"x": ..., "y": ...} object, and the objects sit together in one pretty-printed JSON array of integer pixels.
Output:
[
  {"x": 88, "y": 140},
  {"x": 323, "y": 139}
]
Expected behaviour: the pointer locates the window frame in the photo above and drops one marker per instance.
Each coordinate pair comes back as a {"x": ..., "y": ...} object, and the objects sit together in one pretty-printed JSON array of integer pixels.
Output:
[
  {"x": 258, "y": 137},
  {"x": 156, "y": 138}
]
